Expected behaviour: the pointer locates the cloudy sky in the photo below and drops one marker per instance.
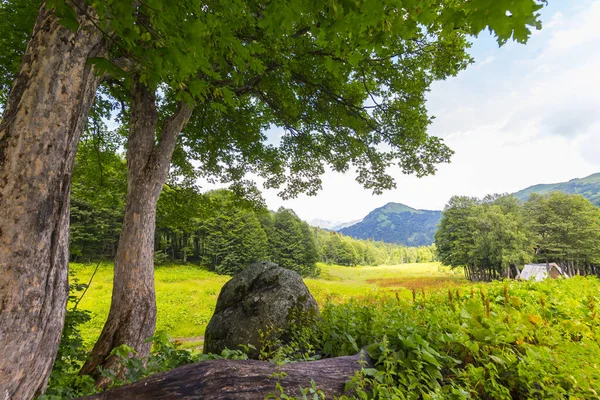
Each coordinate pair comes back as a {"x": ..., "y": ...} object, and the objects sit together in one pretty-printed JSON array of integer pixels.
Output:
[{"x": 519, "y": 116}]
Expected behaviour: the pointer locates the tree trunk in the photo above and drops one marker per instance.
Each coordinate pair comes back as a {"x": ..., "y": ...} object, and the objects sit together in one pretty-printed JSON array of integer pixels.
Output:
[
  {"x": 244, "y": 380},
  {"x": 571, "y": 269},
  {"x": 185, "y": 244},
  {"x": 43, "y": 120},
  {"x": 132, "y": 316}
]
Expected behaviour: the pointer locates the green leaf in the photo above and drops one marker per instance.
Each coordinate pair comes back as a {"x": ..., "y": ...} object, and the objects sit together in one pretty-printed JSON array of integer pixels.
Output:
[{"x": 65, "y": 13}]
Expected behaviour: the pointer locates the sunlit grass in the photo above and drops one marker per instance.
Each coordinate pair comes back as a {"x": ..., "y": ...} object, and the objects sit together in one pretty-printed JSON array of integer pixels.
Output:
[
  {"x": 338, "y": 283},
  {"x": 186, "y": 295}
]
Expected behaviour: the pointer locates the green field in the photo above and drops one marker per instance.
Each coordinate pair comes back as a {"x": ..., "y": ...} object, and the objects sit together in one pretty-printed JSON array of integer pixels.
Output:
[
  {"x": 186, "y": 294},
  {"x": 430, "y": 333}
]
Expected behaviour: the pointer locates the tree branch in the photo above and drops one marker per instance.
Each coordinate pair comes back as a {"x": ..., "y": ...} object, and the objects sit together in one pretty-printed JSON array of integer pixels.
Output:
[{"x": 167, "y": 139}]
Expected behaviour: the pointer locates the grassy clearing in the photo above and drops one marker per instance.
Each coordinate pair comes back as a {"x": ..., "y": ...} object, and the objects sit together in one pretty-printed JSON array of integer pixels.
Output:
[
  {"x": 432, "y": 334},
  {"x": 185, "y": 297},
  {"x": 337, "y": 283},
  {"x": 186, "y": 294}
]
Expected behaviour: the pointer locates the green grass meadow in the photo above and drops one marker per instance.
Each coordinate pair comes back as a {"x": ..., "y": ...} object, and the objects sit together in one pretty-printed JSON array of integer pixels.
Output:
[
  {"x": 186, "y": 295},
  {"x": 432, "y": 334}
]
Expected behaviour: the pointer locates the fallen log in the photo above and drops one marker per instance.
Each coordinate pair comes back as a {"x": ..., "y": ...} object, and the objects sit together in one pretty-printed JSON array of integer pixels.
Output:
[{"x": 242, "y": 379}]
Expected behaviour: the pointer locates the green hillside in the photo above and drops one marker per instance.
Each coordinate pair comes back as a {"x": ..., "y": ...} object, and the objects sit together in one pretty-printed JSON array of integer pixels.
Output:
[
  {"x": 588, "y": 187},
  {"x": 397, "y": 223}
]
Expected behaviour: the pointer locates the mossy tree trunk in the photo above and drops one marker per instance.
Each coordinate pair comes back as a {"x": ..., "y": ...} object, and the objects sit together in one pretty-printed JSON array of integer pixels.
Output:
[
  {"x": 43, "y": 120},
  {"x": 132, "y": 317}
]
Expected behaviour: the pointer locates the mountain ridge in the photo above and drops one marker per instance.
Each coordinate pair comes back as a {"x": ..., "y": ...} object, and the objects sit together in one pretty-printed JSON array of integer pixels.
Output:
[
  {"x": 396, "y": 223},
  {"x": 331, "y": 225},
  {"x": 401, "y": 224},
  {"x": 588, "y": 187}
]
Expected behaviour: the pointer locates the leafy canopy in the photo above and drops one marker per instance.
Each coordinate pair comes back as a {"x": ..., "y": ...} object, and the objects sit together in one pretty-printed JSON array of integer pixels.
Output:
[
  {"x": 565, "y": 227},
  {"x": 344, "y": 80},
  {"x": 487, "y": 234}
]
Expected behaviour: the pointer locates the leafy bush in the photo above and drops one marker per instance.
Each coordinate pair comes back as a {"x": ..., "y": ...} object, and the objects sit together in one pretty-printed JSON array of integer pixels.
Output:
[
  {"x": 65, "y": 383},
  {"x": 163, "y": 357},
  {"x": 506, "y": 340}
]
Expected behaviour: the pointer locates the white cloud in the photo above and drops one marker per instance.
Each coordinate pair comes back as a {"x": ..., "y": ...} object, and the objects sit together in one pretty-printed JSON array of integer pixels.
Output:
[
  {"x": 577, "y": 31},
  {"x": 557, "y": 20},
  {"x": 488, "y": 60}
]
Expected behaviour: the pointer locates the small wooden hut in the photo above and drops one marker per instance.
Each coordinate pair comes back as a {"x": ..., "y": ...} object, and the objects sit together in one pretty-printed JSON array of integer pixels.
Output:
[{"x": 539, "y": 272}]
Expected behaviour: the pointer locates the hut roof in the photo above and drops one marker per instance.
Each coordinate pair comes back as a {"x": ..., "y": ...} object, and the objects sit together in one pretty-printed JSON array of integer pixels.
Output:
[{"x": 539, "y": 272}]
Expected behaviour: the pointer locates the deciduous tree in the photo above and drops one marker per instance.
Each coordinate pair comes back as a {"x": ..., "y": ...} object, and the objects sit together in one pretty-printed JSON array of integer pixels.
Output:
[
  {"x": 42, "y": 121},
  {"x": 342, "y": 79},
  {"x": 566, "y": 230},
  {"x": 488, "y": 237}
]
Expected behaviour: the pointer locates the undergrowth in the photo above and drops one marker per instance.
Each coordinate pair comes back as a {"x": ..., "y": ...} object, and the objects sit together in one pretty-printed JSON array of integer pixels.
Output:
[{"x": 504, "y": 340}]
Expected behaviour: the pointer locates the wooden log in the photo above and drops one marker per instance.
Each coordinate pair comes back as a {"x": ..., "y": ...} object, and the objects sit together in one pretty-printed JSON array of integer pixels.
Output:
[{"x": 242, "y": 379}]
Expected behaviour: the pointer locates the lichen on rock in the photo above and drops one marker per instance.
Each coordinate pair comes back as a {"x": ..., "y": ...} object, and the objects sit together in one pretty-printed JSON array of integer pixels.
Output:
[{"x": 263, "y": 298}]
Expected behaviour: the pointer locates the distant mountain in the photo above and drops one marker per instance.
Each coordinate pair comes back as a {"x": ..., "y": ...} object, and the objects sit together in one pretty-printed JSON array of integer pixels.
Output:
[
  {"x": 331, "y": 225},
  {"x": 343, "y": 225},
  {"x": 397, "y": 223},
  {"x": 588, "y": 187},
  {"x": 322, "y": 223}
]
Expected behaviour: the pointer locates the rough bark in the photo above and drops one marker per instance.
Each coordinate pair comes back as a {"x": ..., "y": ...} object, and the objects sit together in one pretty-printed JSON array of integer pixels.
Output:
[
  {"x": 44, "y": 116},
  {"x": 243, "y": 380},
  {"x": 132, "y": 316}
]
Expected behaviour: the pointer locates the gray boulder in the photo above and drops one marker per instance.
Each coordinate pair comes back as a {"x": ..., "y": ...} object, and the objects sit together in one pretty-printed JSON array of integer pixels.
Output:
[{"x": 262, "y": 298}]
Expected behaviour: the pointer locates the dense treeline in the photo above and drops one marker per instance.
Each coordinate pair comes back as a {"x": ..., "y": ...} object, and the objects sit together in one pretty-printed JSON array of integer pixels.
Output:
[
  {"x": 565, "y": 229},
  {"x": 336, "y": 248},
  {"x": 493, "y": 237},
  {"x": 221, "y": 229},
  {"x": 98, "y": 190}
]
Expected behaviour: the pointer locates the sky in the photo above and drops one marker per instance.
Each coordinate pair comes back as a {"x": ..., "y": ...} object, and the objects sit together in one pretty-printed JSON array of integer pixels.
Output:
[{"x": 521, "y": 115}]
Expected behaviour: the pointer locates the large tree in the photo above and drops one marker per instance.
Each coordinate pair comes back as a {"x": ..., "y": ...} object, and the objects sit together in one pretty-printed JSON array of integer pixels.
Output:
[
  {"x": 566, "y": 229},
  {"x": 488, "y": 237},
  {"x": 232, "y": 235},
  {"x": 346, "y": 81},
  {"x": 43, "y": 118},
  {"x": 291, "y": 243}
]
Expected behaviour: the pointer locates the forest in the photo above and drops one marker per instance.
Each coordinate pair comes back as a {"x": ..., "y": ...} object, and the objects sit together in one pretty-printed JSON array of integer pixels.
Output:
[
  {"x": 495, "y": 236},
  {"x": 112, "y": 112},
  {"x": 218, "y": 229}
]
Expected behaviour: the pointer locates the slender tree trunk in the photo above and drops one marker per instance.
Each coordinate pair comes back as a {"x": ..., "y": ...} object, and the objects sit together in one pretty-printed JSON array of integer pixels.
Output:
[
  {"x": 173, "y": 240},
  {"x": 43, "y": 120},
  {"x": 132, "y": 317},
  {"x": 571, "y": 269},
  {"x": 196, "y": 246},
  {"x": 185, "y": 243}
]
